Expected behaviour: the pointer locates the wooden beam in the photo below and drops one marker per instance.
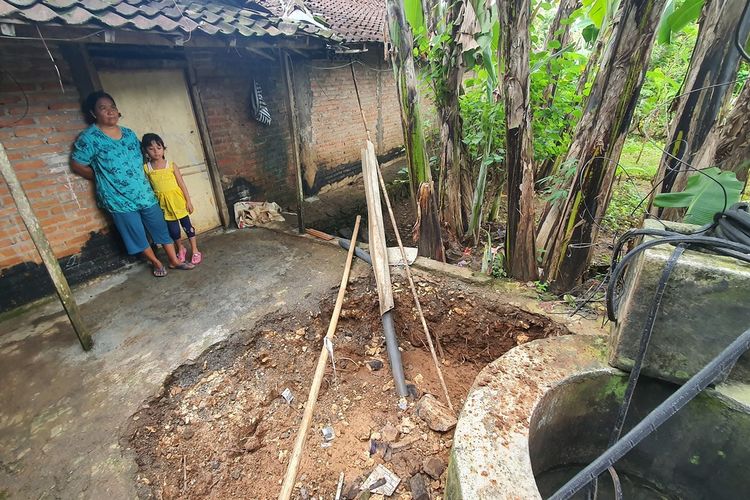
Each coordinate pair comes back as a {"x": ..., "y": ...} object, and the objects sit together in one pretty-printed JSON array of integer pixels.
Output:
[
  {"x": 260, "y": 53},
  {"x": 208, "y": 149},
  {"x": 289, "y": 78},
  {"x": 85, "y": 77},
  {"x": 45, "y": 250}
]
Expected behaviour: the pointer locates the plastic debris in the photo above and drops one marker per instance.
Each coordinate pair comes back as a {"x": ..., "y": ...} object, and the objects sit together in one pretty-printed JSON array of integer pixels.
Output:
[
  {"x": 287, "y": 395},
  {"x": 328, "y": 433},
  {"x": 381, "y": 481}
]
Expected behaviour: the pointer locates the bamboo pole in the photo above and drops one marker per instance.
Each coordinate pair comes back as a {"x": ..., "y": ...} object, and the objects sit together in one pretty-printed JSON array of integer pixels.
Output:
[
  {"x": 291, "y": 471},
  {"x": 45, "y": 250}
]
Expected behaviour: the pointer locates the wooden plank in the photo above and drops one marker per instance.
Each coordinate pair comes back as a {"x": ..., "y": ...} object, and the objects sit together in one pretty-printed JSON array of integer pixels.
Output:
[
  {"x": 376, "y": 229},
  {"x": 45, "y": 250},
  {"x": 291, "y": 471}
]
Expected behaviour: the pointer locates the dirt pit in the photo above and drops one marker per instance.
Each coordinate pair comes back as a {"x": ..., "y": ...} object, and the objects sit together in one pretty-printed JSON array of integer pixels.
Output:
[{"x": 221, "y": 429}]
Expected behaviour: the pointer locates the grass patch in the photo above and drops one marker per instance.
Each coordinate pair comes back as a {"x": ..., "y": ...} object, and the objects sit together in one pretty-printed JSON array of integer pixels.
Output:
[{"x": 640, "y": 158}]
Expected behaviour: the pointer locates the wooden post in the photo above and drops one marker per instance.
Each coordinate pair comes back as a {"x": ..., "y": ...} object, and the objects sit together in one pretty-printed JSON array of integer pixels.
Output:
[
  {"x": 289, "y": 78},
  {"x": 208, "y": 149},
  {"x": 291, "y": 471},
  {"x": 45, "y": 250}
]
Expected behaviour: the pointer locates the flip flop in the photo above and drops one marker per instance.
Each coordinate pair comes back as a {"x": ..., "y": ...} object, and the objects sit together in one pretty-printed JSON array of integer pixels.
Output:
[
  {"x": 183, "y": 266},
  {"x": 196, "y": 258},
  {"x": 182, "y": 254},
  {"x": 160, "y": 272}
]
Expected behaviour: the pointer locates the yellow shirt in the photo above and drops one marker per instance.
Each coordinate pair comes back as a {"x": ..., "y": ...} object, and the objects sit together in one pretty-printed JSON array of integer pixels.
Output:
[{"x": 167, "y": 191}]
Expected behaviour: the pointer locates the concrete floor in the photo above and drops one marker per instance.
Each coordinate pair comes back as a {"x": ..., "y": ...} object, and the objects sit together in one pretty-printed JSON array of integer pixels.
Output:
[{"x": 62, "y": 411}]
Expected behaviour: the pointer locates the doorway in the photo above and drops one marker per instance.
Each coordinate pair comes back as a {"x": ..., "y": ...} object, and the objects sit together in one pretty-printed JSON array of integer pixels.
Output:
[{"x": 157, "y": 100}]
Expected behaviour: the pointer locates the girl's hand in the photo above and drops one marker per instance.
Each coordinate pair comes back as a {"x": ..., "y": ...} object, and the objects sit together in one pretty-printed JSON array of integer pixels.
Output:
[{"x": 190, "y": 207}]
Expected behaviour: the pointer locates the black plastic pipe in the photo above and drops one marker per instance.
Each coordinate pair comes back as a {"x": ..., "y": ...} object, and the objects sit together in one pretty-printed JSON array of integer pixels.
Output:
[
  {"x": 397, "y": 368},
  {"x": 682, "y": 396},
  {"x": 345, "y": 244}
]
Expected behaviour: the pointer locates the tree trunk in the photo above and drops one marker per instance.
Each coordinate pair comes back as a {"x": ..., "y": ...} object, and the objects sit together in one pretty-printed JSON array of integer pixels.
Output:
[
  {"x": 402, "y": 47},
  {"x": 715, "y": 61},
  {"x": 520, "y": 251},
  {"x": 598, "y": 141},
  {"x": 559, "y": 33},
  {"x": 733, "y": 150},
  {"x": 455, "y": 175}
]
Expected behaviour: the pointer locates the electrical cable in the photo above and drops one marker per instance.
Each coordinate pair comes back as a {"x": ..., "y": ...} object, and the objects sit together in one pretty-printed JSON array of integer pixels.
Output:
[{"x": 25, "y": 98}]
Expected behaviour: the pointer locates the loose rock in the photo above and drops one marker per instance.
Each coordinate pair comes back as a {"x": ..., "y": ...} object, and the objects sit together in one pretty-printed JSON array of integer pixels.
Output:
[
  {"x": 252, "y": 444},
  {"x": 389, "y": 433},
  {"x": 435, "y": 414},
  {"x": 374, "y": 365},
  {"x": 433, "y": 467},
  {"x": 418, "y": 488}
]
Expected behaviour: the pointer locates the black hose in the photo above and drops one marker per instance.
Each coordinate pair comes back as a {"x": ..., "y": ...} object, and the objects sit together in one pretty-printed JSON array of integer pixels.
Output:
[
  {"x": 724, "y": 361},
  {"x": 648, "y": 329},
  {"x": 728, "y": 235}
]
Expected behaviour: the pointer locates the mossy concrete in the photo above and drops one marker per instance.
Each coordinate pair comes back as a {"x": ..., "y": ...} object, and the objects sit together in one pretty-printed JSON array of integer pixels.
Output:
[
  {"x": 706, "y": 305},
  {"x": 538, "y": 414}
]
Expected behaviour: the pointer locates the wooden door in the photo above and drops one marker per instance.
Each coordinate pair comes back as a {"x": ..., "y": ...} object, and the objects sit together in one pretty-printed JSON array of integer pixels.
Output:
[{"x": 158, "y": 101}]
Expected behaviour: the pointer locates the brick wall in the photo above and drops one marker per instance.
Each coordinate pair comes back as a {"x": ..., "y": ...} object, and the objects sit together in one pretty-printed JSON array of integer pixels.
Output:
[
  {"x": 332, "y": 125},
  {"x": 38, "y": 145},
  {"x": 254, "y": 160}
]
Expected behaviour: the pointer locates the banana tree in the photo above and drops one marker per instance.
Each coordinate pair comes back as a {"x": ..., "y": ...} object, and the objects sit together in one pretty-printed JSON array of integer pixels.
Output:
[
  {"x": 420, "y": 177},
  {"x": 572, "y": 226},
  {"x": 486, "y": 33},
  {"x": 520, "y": 251},
  {"x": 714, "y": 62}
]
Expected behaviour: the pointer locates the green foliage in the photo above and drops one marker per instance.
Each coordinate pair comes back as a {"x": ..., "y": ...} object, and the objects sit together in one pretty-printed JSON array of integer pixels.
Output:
[
  {"x": 493, "y": 260},
  {"x": 414, "y": 15},
  {"x": 623, "y": 211},
  {"x": 706, "y": 194},
  {"x": 555, "y": 186},
  {"x": 552, "y": 121},
  {"x": 640, "y": 159},
  {"x": 676, "y": 17},
  {"x": 483, "y": 123}
]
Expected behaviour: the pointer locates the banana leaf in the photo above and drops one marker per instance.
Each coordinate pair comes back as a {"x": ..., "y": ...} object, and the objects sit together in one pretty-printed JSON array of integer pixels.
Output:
[{"x": 703, "y": 196}]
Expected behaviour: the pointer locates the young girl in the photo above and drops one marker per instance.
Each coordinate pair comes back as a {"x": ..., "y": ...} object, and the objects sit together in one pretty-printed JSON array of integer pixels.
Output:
[{"x": 172, "y": 194}]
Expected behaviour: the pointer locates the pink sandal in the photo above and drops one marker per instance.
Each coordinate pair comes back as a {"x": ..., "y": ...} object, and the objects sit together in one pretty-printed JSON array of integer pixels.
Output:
[
  {"x": 182, "y": 254},
  {"x": 197, "y": 258}
]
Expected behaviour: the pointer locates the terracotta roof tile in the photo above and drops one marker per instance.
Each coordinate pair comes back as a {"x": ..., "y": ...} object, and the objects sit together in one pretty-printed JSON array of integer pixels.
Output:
[
  {"x": 353, "y": 20},
  {"x": 39, "y": 13},
  {"x": 211, "y": 16},
  {"x": 7, "y": 9}
]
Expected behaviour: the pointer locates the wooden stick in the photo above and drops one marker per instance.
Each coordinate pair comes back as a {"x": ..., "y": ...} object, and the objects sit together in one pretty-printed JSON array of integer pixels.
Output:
[
  {"x": 414, "y": 290},
  {"x": 45, "y": 250},
  {"x": 291, "y": 471}
]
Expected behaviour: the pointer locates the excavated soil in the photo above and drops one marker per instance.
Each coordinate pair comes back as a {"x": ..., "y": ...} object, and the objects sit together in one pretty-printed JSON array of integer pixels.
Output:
[{"x": 220, "y": 428}]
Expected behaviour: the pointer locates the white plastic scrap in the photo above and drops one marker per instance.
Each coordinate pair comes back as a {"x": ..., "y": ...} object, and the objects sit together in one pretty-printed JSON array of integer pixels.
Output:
[
  {"x": 391, "y": 481},
  {"x": 287, "y": 395}
]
